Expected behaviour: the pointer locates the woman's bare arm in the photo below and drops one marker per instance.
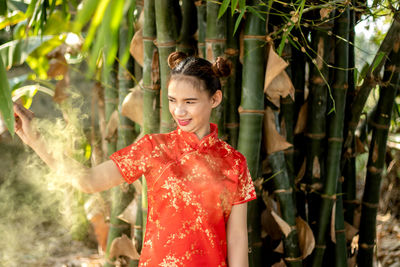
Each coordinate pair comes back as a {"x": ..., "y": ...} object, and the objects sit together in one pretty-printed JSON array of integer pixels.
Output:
[
  {"x": 88, "y": 180},
  {"x": 236, "y": 236}
]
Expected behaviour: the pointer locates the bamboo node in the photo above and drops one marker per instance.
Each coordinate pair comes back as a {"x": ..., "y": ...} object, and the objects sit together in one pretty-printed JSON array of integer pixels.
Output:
[
  {"x": 165, "y": 44},
  {"x": 317, "y": 136},
  {"x": 291, "y": 259},
  {"x": 149, "y": 38},
  {"x": 199, "y": 3},
  {"x": 242, "y": 110},
  {"x": 216, "y": 41},
  {"x": 353, "y": 201},
  {"x": 127, "y": 127},
  {"x": 231, "y": 52},
  {"x": 289, "y": 151},
  {"x": 335, "y": 139},
  {"x": 370, "y": 205},
  {"x": 150, "y": 88},
  {"x": 374, "y": 170},
  {"x": 320, "y": 246},
  {"x": 367, "y": 246},
  {"x": 256, "y": 37},
  {"x": 232, "y": 125},
  {"x": 284, "y": 191},
  {"x": 333, "y": 197},
  {"x": 340, "y": 231},
  {"x": 112, "y": 100},
  {"x": 379, "y": 126}
]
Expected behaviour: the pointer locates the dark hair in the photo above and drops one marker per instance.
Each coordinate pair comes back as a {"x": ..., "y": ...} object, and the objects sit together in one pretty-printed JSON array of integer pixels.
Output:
[{"x": 200, "y": 68}]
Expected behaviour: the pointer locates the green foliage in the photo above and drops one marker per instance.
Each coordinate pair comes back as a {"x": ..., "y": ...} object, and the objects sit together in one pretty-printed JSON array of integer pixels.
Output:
[{"x": 6, "y": 105}]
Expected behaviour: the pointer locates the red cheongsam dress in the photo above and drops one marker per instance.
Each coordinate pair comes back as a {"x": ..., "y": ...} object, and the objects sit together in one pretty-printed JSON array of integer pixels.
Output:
[{"x": 192, "y": 185}]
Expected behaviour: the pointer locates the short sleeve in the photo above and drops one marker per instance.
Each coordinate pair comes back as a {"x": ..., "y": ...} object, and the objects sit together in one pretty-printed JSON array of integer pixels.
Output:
[
  {"x": 134, "y": 160},
  {"x": 245, "y": 189}
]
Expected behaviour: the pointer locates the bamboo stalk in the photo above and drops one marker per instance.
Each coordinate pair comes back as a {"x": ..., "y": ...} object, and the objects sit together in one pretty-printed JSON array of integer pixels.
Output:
[
  {"x": 251, "y": 117},
  {"x": 121, "y": 197},
  {"x": 233, "y": 90},
  {"x": 376, "y": 159},
  {"x": 335, "y": 140},
  {"x": 202, "y": 26},
  {"x": 186, "y": 41},
  {"x": 215, "y": 46},
  {"x": 166, "y": 42},
  {"x": 371, "y": 78},
  {"x": 316, "y": 122},
  {"x": 283, "y": 189},
  {"x": 349, "y": 169}
]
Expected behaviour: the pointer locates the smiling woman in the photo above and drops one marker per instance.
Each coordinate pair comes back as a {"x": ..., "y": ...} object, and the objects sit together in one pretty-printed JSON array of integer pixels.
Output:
[{"x": 198, "y": 185}]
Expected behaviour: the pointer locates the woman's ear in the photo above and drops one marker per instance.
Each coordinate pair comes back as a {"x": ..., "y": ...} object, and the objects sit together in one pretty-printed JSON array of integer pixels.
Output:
[{"x": 216, "y": 98}]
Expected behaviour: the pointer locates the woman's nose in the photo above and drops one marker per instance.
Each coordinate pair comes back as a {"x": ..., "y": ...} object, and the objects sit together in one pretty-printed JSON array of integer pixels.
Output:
[{"x": 179, "y": 111}]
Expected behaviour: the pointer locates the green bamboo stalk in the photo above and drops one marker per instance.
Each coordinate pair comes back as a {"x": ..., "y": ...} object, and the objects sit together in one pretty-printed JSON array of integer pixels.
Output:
[
  {"x": 370, "y": 80},
  {"x": 120, "y": 197},
  {"x": 335, "y": 140},
  {"x": 376, "y": 159},
  {"x": 233, "y": 89},
  {"x": 166, "y": 42},
  {"x": 251, "y": 122},
  {"x": 215, "y": 46},
  {"x": 186, "y": 41},
  {"x": 316, "y": 122},
  {"x": 349, "y": 169},
  {"x": 202, "y": 26}
]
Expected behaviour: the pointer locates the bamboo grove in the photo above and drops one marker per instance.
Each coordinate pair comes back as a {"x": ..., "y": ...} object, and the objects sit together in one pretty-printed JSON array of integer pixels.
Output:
[{"x": 292, "y": 106}]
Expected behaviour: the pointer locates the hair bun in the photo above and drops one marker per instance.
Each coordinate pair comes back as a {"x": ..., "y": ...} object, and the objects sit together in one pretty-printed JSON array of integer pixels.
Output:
[
  {"x": 221, "y": 67},
  {"x": 175, "y": 58}
]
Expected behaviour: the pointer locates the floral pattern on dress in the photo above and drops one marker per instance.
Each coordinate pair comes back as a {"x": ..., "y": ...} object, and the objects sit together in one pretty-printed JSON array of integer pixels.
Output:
[{"x": 192, "y": 185}]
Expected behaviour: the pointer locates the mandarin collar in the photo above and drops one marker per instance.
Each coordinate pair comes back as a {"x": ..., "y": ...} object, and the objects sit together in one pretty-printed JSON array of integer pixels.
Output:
[{"x": 195, "y": 142}]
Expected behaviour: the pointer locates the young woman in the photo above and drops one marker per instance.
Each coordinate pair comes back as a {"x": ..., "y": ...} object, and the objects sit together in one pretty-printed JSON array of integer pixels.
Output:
[{"x": 198, "y": 185}]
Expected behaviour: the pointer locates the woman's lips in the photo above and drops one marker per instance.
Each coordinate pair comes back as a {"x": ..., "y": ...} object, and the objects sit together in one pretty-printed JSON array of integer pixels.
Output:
[{"x": 183, "y": 122}]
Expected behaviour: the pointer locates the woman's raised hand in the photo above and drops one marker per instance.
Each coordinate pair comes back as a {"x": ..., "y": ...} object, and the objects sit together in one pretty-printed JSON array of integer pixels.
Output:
[{"x": 23, "y": 126}]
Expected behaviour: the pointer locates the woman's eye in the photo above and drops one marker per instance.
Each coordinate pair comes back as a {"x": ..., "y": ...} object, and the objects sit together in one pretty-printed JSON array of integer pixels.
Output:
[
  {"x": 190, "y": 102},
  {"x": 170, "y": 100}
]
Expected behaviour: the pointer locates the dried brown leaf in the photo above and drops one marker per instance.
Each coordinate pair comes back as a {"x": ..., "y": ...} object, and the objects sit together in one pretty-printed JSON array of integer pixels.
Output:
[
  {"x": 301, "y": 172},
  {"x": 306, "y": 237},
  {"x": 279, "y": 248},
  {"x": 284, "y": 226},
  {"x": 302, "y": 119},
  {"x": 130, "y": 212},
  {"x": 140, "y": 22},
  {"x": 324, "y": 12},
  {"x": 112, "y": 125},
  {"x": 59, "y": 93},
  {"x": 136, "y": 48},
  {"x": 123, "y": 246},
  {"x": 279, "y": 264},
  {"x": 281, "y": 86},
  {"x": 155, "y": 70},
  {"x": 100, "y": 228},
  {"x": 137, "y": 184},
  {"x": 132, "y": 106},
  {"x": 320, "y": 54},
  {"x": 241, "y": 45},
  {"x": 316, "y": 168},
  {"x": 58, "y": 66},
  {"x": 274, "y": 141},
  {"x": 275, "y": 66},
  {"x": 333, "y": 218},
  {"x": 351, "y": 231}
]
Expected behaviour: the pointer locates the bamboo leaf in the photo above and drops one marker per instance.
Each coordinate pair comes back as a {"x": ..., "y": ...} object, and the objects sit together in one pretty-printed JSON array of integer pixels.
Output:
[
  {"x": 233, "y": 6},
  {"x": 242, "y": 4},
  {"x": 96, "y": 20},
  {"x": 14, "y": 19},
  {"x": 223, "y": 8},
  {"x": 237, "y": 23},
  {"x": 84, "y": 15},
  {"x": 116, "y": 13},
  {"x": 6, "y": 105},
  {"x": 378, "y": 60},
  {"x": 256, "y": 12}
]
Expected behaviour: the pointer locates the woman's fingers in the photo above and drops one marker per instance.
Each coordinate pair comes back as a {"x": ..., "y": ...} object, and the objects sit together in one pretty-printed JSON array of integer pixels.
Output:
[{"x": 24, "y": 114}]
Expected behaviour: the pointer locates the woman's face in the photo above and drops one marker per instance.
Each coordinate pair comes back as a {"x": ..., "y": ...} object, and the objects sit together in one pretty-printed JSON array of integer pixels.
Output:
[{"x": 191, "y": 106}]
